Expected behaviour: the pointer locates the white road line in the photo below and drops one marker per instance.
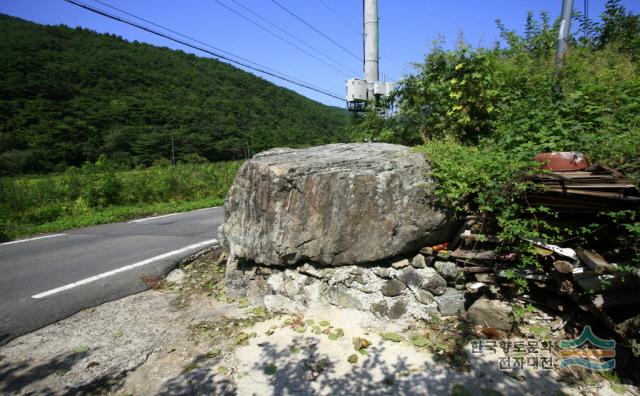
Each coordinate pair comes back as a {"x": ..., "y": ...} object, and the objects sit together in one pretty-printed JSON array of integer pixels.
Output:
[
  {"x": 31, "y": 239},
  {"x": 167, "y": 215},
  {"x": 122, "y": 269}
]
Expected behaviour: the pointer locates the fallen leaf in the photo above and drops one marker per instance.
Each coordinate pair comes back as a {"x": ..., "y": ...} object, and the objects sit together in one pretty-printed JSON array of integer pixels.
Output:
[
  {"x": 270, "y": 369},
  {"x": 215, "y": 352},
  {"x": 259, "y": 311},
  {"x": 190, "y": 367},
  {"x": 81, "y": 349},
  {"x": 490, "y": 392},
  {"x": 300, "y": 329},
  {"x": 460, "y": 390},
  {"x": 323, "y": 323},
  {"x": 360, "y": 343},
  {"x": 241, "y": 338},
  {"x": 419, "y": 340},
  {"x": 395, "y": 337},
  {"x": 353, "y": 359}
]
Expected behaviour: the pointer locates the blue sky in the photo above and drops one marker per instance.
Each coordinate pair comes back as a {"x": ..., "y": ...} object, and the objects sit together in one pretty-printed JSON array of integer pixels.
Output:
[{"x": 407, "y": 29}]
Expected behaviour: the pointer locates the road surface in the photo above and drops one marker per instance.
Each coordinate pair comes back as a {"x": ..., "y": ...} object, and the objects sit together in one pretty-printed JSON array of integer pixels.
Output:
[{"x": 48, "y": 278}]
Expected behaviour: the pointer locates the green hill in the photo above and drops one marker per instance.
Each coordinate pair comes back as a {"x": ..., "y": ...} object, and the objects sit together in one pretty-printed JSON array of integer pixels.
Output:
[{"x": 69, "y": 95}]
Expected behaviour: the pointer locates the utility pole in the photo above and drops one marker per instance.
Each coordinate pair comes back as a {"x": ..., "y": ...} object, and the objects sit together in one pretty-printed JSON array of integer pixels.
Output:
[
  {"x": 173, "y": 154},
  {"x": 370, "y": 89},
  {"x": 564, "y": 33},
  {"x": 371, "y": 41}
]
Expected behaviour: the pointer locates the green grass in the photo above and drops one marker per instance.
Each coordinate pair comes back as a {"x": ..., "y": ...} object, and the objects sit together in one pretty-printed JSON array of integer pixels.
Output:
[
  {"x": 98, "y": 194},
  {"x": 109, "y": 215}
]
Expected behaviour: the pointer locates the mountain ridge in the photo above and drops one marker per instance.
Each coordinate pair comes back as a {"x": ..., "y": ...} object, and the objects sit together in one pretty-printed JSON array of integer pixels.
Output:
[{"x": 68, "y": 95}]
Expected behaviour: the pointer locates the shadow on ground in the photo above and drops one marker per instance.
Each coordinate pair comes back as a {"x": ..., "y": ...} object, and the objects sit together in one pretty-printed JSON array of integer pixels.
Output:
[
  {"x": 374, "y": 376},
  {"x": 16, "y": 376}
]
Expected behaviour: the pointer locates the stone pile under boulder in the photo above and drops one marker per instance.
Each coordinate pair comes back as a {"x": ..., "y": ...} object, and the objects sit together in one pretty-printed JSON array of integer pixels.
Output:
[
  {"x": 395, "y": 290},
  {"x": 339, "y": 224}
]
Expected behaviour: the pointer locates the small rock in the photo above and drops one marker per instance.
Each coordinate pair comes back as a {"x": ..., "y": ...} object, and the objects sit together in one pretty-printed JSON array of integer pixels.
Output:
[
  {"x": 434, "y": 283},
  {"x": 447, "y": 269},
  {"x": 490, "y": 313},
  {"x": 393, "y": 288},
  {"x": 176, "y": 277},
  {"x": 418, "y": 261},
  {"x": 427, "y": 250},
  {"x": 382, "y": 272},
  {"x": 400, "y": 264},
  {"x": 360, "y": 279},
  {"x": 423, "y": 296},
  {"x": 310, "y": 270},
  {"x": 474, "y": 287},
  {"x": 485, "y": 278},
  {"x": 380, "y": 308},
  {"x": 410, "y": 277},
  {"x": 451, "y": 302},
  {"x": 338, "y": 296},
  {"x": 398, "y": 309},
  {"x": 366, "y": 288},
  {"x": 235, "y": 280}
]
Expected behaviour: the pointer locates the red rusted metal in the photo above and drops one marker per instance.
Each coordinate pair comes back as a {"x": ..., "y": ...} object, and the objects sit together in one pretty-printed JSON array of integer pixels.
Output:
[{"x": 562, "y": 161}]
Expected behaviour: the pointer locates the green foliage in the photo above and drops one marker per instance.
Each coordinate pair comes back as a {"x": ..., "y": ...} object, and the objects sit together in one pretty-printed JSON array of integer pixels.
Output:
[
  {"x": 98, "y": 193},
  {"x": 504, "y": 98},
  {"x": 481, "y": 115},
  {"x": 69, "y": 95}
]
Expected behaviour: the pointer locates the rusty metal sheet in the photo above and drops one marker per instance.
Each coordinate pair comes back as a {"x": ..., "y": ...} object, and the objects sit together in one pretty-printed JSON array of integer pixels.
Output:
[{"x": 563, "y": 161}]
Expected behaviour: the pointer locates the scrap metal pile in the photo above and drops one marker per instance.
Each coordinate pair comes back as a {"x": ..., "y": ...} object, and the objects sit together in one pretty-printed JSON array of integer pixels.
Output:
[
  {"x": 566, "y": 281},
  {"x": 570, "y": 184}
]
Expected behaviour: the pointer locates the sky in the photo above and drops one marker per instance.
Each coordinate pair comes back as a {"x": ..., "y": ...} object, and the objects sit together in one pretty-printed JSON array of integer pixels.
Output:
[{"x": 408, "y": 29}]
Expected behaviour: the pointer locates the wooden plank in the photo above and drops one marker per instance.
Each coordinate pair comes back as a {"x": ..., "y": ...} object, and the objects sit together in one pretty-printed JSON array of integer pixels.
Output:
[
  {"x": 596, "y": 262},
  {"x": 482, "y": 255}
]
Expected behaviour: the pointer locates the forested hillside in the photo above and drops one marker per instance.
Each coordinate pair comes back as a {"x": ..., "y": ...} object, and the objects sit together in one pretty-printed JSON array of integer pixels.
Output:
[{"x": 69, "y": 95}]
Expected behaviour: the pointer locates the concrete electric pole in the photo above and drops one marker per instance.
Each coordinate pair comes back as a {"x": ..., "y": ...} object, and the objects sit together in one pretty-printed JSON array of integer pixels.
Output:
[
  {"x": 359, "y": 91},
  {"x": 371, "y": 56},
  {"x": 564, "y": 32}
]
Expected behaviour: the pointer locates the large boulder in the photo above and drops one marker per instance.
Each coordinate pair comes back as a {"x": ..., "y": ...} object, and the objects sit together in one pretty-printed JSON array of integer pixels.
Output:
[{"x": 338, "y": 204}]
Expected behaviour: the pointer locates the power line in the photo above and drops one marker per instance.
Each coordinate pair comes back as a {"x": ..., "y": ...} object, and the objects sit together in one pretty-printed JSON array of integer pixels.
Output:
[
  {"x": 293, "y": 36},
  {"x": 280, "y": 37},
  {"x": 199, "y": 42},
  {"x": 168, "y": 37},
  {"x": 340, "y": 17},
  {"x": 317, "y": 30}
]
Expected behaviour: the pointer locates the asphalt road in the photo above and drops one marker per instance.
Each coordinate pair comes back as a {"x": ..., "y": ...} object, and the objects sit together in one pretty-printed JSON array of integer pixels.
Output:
[{"x": 45, "y": 279}]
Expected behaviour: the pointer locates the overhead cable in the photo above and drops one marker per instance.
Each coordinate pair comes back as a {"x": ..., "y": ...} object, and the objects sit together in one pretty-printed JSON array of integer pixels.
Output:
[
  {"x": 340, "y": 17},
  {"x": 293, "y": 36},
  {"x": 317, "y": 30},
  {"x": 280, "y": 37},
  {"x": 198, "y": 41},
  {"x": 182, "y": 42}
]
